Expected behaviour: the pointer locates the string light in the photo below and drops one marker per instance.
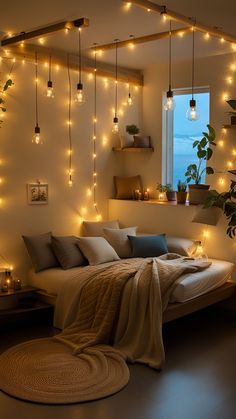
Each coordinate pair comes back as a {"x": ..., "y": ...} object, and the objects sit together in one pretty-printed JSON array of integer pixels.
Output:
[
  {"x": 169, "y": 103},
  {"x": 129, "y": 100},
  {"x": 70, "y": 180},
  {"x": 115, "y": 128},
  {"x": 50, "y": 91},
  {"x": 37, "y": 139},
  {"x": 79, "y": 96},
  {"x": 164, "y": 13},
  {"x": 207, "y": 36},
  {"x": 94, "y": 185},
  {"x": 192, "y": 112}
]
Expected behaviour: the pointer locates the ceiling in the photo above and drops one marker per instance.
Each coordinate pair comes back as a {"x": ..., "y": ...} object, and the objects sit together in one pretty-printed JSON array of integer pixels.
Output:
[{"x": 109, "y": 20}]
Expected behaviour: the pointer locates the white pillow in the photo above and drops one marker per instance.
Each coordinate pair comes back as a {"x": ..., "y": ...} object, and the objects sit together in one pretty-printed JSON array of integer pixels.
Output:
[
  {"x": 95, "y": 228},
  {"x": 97, "y": 250},
  {"x": 118, "y": 239}
]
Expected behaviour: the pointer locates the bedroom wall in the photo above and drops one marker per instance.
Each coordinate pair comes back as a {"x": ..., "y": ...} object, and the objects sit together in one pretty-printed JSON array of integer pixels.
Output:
[{"x": 22, "y": 162}]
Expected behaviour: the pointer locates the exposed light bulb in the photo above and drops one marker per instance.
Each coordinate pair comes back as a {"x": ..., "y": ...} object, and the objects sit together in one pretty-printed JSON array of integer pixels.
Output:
[
  {"x": 79, "y": 95},
  {"x": 37, "y": 137},
  {"x": 169, "y": 103},
  {"x": 115, "y": 128},
  {"x": 192, "y": 113},
  {"x": 49, "y": 91},
  {"x": 130, "y": 100}
]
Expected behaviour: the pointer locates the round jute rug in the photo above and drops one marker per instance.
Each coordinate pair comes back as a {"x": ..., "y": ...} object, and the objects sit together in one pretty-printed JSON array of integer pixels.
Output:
[{"x": 45, "y": 371}]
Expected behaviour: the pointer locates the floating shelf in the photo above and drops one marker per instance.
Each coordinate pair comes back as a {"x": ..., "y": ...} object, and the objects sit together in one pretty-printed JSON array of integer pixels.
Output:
[
  {"x": 133, "y": 149},
  {"x": 229, "y": 126}
]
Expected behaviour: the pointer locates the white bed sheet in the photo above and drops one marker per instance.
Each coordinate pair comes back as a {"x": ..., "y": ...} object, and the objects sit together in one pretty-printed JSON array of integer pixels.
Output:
[{"x": 189, "y": 287}]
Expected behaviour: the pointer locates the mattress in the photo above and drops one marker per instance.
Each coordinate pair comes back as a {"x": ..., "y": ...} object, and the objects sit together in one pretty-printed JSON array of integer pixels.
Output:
[{"x": 189, "y": 286}]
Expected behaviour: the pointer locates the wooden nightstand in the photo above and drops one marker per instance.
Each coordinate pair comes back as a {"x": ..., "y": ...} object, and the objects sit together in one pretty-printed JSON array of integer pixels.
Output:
[{"x": 23, "y": 305}]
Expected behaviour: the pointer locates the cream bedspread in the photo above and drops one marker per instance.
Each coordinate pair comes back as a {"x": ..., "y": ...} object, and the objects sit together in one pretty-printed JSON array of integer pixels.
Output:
[{"x": 121, "y": 303}]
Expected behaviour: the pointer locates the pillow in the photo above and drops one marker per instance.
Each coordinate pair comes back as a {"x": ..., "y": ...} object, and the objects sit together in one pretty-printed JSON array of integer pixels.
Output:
[
  {"x": 95, "y": 228},
  {"x": 142, "y": 141},
  {"x": 67, "y": 251},
  {"x": 97, "y": 250},
  {"x": 40, "y": 251},
  {"x": 148, "y": 246},
  {"x": 181, "y": 246},
  {"x": 118, "y": 239},
  {"x": 125, "y": 186}
]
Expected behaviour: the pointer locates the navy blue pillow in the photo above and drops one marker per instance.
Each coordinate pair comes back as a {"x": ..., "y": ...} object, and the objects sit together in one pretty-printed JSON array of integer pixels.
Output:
[{"x": 148, "y": 246}]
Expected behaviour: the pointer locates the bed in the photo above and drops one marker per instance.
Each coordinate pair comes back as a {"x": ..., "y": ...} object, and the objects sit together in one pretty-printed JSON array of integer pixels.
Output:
[{"x": 191, "y": 293}]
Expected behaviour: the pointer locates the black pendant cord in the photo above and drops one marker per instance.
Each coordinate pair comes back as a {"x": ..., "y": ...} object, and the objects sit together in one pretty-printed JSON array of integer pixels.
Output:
[
  {"x": 36, "y": 89},
  {"x": 170, "y": 56},
  {"x": 69, "y": 118},
  {"x": 50, "y": 68},
  {"x": 95, "y": 135},
  {"x": 193, "y": 62},
  {"x": 80, "y": 58},
  {"x": 116, "y": 81}
]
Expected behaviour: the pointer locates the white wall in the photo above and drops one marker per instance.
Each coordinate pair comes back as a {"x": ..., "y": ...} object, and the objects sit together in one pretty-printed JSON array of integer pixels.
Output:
[{"x": 23, "y": 162}]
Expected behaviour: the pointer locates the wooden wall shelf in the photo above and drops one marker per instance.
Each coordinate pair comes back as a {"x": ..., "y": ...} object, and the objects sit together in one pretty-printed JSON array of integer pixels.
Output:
[
  {"x": 229, "y": 126},
  {"x": 133, "y": 149}
]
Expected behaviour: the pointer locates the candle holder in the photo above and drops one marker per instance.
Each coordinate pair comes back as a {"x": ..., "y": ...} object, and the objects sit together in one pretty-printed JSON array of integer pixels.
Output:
[
  {"x": 146, "y": 195},
  {"x": 17, "y": 284}
]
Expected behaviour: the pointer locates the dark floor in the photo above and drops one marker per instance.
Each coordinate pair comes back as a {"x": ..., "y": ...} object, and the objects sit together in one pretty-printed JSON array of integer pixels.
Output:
[{"x": 198, "y": 382}]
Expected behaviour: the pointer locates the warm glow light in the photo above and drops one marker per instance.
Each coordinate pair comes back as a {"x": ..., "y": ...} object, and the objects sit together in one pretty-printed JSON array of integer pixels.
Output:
[
  {"x": 22, "y": 44},
  {"x": 127, "y": 6},
  {"x": 94, "y": 155},
  {"x": 181, "y": 34},
  {"x": 224, "y": 131},
  {"x": 98, "y": 217},
  {"x": 234, "y": 152},
  {"x": 207, "y": 36},
  {"x": 233, "y": 67},
  {"x": 46, "y": 64},
  {"x": 229, "y": 80},
  {"x": 234, "y": 47},
  {"x": 57, "y": 67},
  {"x": 221, "y": 143},
  {"x": 90, "y": 76},
  {"x": 89, "y": 192},
  {"x": 41, "y": 41},
  {"x": 222, "y": 40},
  {"x": 225, "y": 96},
  {"x": 221, "y": 181},
  {"x": 84, "y": 211},
  {"x": 205, "y": 234},
  {"x": 104, "y": 140},
  {"x": 230, "y": 164},
  {"x": 131, "y": 45},
  {"x": 136, "y": 88}
]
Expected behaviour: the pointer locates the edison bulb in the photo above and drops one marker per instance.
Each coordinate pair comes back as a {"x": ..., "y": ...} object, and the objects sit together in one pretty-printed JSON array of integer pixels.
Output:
[
  {"x": 169, "y": 103},
  {"x": 115, "y": 128},
  {"x": 79, "y": 95},
  {"x": 49, "y": 91},
  {"x": 130, "y": 100},
  {"x": 192, "y": 113},
  {"x": 37, "y": 139}
]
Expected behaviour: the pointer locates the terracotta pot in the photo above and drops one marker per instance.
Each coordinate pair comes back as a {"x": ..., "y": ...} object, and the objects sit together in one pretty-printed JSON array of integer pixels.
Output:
[
  {"x": 198, "y": 193},
  {"x": 171, "y": 195},
  {"x": 181, "y": 197}
]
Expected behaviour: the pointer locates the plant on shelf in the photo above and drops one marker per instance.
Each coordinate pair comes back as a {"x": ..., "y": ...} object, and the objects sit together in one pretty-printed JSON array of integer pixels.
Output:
[
  {"x": 168, "y": 190},
  {"x": 232, "y": 104},
  {"x": 181, "y": 192},
  {"x": 132, "y": 129},
  {"x": 226, "y": 202},
  {"x": 194, "y": 172},
  {"x": 3, "y": 90}
]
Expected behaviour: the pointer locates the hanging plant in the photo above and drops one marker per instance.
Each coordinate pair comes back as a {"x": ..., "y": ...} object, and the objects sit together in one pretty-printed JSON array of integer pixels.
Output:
[{"x": 6, "y": 86}]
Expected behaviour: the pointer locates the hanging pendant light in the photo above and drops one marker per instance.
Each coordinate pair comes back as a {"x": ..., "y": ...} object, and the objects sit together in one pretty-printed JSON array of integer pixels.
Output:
[
  {"x": 37, "y": 139},
  {"x": 169, "y": 103},
  {"x": 50, "y": 91},
  {"x": 192, "y": 112},
  {"x": 129, "y": 100},
  {"x": 79, "y": 95},
  {"x": 115, "y": 128}
]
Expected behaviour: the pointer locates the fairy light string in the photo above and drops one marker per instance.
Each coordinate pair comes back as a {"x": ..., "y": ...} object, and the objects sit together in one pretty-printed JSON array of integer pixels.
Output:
[
  {"x": 70, "y": 181},
  {"x": 95, "y": 136}
]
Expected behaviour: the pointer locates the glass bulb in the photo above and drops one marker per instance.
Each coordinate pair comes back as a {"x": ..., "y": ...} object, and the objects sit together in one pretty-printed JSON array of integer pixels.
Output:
[
  {"x": 192, "y": 113},
  {"x": 130, "y": 100},
  {"x": 70, "y": 181},
  {"x": 169, "y": 102},
  {"x": 115, "y": 128},
  {"x": 79, "y": 95},
  {"x": 200, "y": 254},
  {"x": 37, "y": 139},
  {"x": 49, "y": 91}
]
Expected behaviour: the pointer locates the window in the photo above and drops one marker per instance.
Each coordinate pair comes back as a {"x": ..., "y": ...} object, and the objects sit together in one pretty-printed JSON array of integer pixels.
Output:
[{"x": 180, "y": 134}]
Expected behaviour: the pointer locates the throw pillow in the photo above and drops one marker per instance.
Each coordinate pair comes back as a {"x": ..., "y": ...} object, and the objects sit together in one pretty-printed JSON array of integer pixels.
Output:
[
  {"x": 97, "y": 250},
  {"x": 148, "y": 246},
  {"x": 40, "y": 251},
  {"x": 181, "y": 246},
  {"x": 118, "y": 239},
  {"x": 95, "y": 228},
  {"x": 67, "y": 251}
]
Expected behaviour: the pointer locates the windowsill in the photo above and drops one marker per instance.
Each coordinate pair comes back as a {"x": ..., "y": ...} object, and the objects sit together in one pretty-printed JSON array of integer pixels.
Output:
[{"x": 156, "y": 202}]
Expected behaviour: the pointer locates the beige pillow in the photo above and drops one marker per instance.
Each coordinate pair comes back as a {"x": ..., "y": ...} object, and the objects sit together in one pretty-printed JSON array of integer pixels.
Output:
[
  {"x": 181, "y": 246},
  {"x": 125, "y": 186},
  {"x": 118, "y": 239},
  {"x": 95, "y": 228},
  {"x": 40, "y": 251},
  {"x": 97, "y": 250}
]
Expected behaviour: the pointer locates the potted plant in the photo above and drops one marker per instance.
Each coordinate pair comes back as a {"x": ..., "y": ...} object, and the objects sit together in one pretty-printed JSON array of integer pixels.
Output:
[
  {"x": 131, "y": 130},
  {"x": 226, "y": 202},
  {"x": 168, "y": 190},
  {"x": 181, "y": 192},
  {"x": 198, "y": 192},
  {"x": 3, "y": 90},
  {"x": 232, "y": 104}
]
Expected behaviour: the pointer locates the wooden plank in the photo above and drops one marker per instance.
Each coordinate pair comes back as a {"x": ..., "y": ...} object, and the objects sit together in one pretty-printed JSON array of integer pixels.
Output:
[
  {"x": 229, "y": 126},
  {"x": 133, "y": 149},
  {"x": 23, "y": 36},
  {"x": 60, "y": 58},
  {"x": 216, "y": 32}
]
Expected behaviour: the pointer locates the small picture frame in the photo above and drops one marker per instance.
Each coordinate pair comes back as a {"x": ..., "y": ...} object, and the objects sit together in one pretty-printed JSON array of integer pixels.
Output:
[{"x": 37, "y": 193}]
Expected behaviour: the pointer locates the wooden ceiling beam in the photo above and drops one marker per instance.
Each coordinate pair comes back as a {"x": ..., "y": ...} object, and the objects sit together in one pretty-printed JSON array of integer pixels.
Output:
[
  {"x": 45, "y": 30},
  {"x": 216, "y": 32},
  {"x": 141, "y": 39},
  {"x": 60, "y": 58}
]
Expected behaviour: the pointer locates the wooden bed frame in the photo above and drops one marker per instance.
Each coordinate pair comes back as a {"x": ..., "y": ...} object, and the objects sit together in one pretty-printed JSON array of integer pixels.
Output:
[{"x": 177, "y": 310}]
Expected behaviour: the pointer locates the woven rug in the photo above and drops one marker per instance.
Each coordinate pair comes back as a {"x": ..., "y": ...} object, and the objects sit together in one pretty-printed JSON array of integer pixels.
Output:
[{"x": 45, "y": 371}]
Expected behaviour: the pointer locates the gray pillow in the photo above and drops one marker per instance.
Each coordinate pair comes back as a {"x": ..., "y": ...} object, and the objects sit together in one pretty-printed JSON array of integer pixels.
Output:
[
  {"x": 40, "y": 251},
  {"x": 118, "y": 239},
  {"x": 97, "y": 250},
  {"x": 67, "y": 251},
  {"x": 95, "y": 228},
  {"x": 181, "y": 246}
]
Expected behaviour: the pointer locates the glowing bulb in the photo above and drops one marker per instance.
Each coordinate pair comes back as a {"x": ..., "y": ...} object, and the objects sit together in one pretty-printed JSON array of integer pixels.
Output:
[
  {"x": 207, "y": 36},
  {"x": 98, "y": 217},
  {"x": 130, "y": 100},
  {"x": 79, "y": 95},
  {"x": 229, "y": 80},
  {"x": 89, "y": 192},
  {"x": 233, "y": 67},
  {"x": 221, "y": 143},
  {"x": 169, "y": 103},
  {"x": 222, "y": 40},
  {"x": 41, "y": 41},
  {"x": 37, "y": 137},
  {"x": 70, "y": 181},
  {"x": 181, "y": 34},
  {"x": 131, "y": 45},
  {"x": 94, "y": 155},
  {"x": 115, "y": 128},
  {"x": 221, "y": 181},
  {"x": 192, "y": 113},
  {"x": 49, "y": 91},
  {"x": 234, "y": 47},
  {"x": 230, "y": 164}
]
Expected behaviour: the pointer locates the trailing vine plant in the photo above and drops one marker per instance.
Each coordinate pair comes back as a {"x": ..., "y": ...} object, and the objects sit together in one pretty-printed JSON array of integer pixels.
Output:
[{"x": 3, "y": 90}]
